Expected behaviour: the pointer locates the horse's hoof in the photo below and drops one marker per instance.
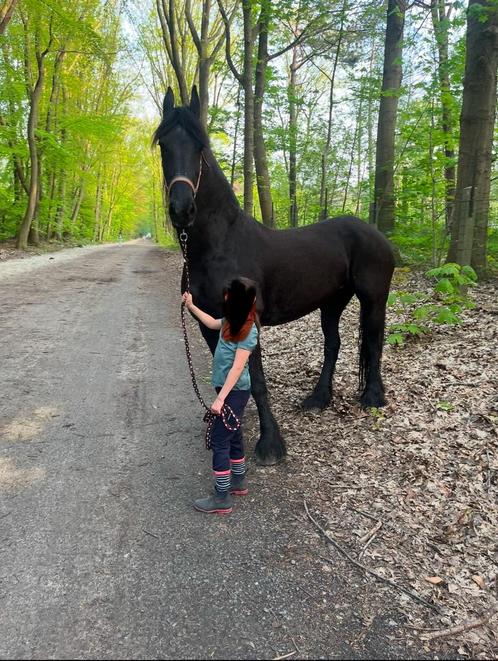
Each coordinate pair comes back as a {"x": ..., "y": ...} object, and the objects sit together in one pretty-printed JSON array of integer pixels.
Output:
[
  {"x": 269, "y": 460},
  {"x": 372, "y": 399},
  {"x": 317, "y": 400},
  {"x": 271, "y": 451}
]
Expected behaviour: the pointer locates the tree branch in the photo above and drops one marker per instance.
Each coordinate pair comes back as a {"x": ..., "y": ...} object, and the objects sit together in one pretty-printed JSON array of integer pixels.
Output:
[
  {"x": 193, "y": 31},
  {"x": 230, "y": 63}
]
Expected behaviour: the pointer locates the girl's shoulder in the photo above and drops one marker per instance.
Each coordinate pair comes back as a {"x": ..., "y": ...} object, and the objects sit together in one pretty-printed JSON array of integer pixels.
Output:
[{"x": 251, "y": 339}]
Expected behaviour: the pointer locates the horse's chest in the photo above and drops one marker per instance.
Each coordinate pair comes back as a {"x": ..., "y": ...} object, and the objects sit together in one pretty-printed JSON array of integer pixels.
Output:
[{"x": 207, "y": 288}]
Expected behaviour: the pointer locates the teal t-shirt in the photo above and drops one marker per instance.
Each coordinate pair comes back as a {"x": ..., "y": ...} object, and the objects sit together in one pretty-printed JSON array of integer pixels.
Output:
[{"x": 225, "y": 355}]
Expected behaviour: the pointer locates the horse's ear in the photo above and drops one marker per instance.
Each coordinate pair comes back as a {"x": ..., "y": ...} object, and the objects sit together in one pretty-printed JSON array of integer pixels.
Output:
[
  {"x": 169, "y": 102},
  {"x": 195, "y": 104}
]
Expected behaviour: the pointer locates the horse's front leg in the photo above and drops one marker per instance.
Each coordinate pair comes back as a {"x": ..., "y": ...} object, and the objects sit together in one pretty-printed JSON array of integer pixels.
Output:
[
  {"x": 211, "y": 336},
  {"x": 270, "y": 449}
]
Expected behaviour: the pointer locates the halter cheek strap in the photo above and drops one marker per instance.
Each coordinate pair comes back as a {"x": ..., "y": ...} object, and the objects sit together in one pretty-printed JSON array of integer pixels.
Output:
[{"x": 186, "y": 180}]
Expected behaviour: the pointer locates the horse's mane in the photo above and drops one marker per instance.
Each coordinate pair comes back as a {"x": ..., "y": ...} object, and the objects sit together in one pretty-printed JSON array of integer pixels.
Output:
[{"x": 185, "y": 118}]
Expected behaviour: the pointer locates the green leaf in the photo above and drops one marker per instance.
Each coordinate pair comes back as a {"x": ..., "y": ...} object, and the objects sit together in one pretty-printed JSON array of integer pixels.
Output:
[
  {"x": 443, "y": 405},
  {"x": 408, "y": 298},
  {"x": 414, "y": 329},
  {"x": 396, "y": 339},
  {"x": 444, "y": 286},
  {"x": 469, "y": 273},
  {"x": 422, "y": 312},
  {"x": 447, "y": 316}
]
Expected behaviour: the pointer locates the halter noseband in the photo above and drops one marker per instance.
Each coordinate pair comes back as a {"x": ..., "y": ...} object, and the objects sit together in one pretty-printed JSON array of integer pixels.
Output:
[{"x": 186, "y": 180}]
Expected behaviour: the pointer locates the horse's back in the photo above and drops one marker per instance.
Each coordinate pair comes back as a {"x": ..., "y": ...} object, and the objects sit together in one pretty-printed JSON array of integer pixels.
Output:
[{"x": 307, "y": 266}]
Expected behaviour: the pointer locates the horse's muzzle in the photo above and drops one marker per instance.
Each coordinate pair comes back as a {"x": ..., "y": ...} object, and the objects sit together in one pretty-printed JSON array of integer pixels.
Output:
[{"x": 182, "y": 215}]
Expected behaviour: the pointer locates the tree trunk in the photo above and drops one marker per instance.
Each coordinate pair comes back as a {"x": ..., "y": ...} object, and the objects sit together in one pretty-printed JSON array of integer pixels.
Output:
[
  {"x": 248, "y": 108},
  {"x": 351, "y": 162},
  {"x": 235, "y": 140},
  {"x": 61, "y": 206},
  {"x": 260, "y": 159},
  {"x": 291, "y": 95},
  {"x": 370, "y": 127},
  {"x": 324, "y": 159},
  {"x": 78, "y": 199},
  {"x": 477, "y": 121},
  {"x": 22, "y": 238},
  {"x": 440, "y": 20},
  {"x": 383, "y": 206},
  {"x": 167, "y": 18},
  {"x": 98, "y": 204},
  {"x": 6, "y": 10}
]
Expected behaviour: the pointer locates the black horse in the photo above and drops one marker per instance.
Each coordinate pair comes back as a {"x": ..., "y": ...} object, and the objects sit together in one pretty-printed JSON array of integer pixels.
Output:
[{"x": 297, "y": 270}]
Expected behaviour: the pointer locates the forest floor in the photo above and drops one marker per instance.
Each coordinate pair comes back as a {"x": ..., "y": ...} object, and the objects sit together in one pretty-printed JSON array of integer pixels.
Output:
[{"x": 411, "y": 490}]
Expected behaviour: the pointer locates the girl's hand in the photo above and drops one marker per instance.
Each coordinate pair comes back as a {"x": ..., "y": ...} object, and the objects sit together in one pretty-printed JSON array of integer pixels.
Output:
[
  {"x": 187, "y": 299},
  {"x": 217, "y": 405}
]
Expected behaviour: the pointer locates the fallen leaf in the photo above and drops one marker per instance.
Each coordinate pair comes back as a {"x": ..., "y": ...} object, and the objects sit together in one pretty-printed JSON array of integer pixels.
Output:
[
  {"x": 479, "y": 580},
  {"x": 435, "y": 580}
]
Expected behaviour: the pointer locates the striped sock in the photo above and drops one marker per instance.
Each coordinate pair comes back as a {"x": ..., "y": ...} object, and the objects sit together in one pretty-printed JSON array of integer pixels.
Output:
[
  {"x": 238, "y": 466},
  {"x": 222, "y": 481}
]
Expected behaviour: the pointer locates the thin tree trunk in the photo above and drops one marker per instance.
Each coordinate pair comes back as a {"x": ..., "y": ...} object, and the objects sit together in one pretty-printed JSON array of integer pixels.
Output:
[
  {"x": 440, "y": 20},
  {"x": 383, "y": 206},
  {"x": 248, "y": 108},
  {"x": 291, "y": 96},
  {"x": 167, "y": 18},
  {"x": 61, "y": 205},
  {"x": 433, "y": 185},
  {"x": 477, "y": 121},
  {"x": 370, "y": 113},
  {"x": 52, "y": 183},
  {"x": 326, "y": 149},
  {"x": 206, "y": 58},
  {"x": 235, "y": 139},
  {"x": 98, "y": 205},
  {"x": 6, "y": 10},
  {"x": 260, "y": 159},
  {"x": 350, "y": 170},
  {"x": 78, "y": 199},
  {"x": 34, "y": 102}
]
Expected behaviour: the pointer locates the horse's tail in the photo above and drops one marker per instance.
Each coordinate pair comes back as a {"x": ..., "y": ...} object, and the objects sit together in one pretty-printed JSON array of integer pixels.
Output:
[{"x": 362, "y": 351}]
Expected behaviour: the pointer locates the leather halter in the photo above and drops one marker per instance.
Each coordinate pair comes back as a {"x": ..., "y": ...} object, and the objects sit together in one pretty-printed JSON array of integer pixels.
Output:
[{"x": 182, "y": 178}]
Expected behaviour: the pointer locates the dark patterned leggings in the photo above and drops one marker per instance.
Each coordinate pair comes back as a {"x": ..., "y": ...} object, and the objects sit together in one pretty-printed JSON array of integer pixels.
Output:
[{"x": 228, "y": 444}]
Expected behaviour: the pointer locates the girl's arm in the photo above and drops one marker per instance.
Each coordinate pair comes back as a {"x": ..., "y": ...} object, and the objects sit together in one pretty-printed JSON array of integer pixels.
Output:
[
  {"x": 203, "y": 317},
  {"x": 241, "y": 358}
]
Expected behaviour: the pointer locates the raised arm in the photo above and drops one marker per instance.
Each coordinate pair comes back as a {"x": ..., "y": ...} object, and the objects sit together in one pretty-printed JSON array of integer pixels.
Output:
[{"x": 203, "y": 317}]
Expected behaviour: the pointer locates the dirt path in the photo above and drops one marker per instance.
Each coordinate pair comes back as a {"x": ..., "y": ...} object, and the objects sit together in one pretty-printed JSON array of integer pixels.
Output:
[{"x": 101, "y": 555}]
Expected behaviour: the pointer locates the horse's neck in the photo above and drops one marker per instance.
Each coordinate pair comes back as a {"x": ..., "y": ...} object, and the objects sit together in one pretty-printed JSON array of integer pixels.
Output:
[{"x": 217, "y": 211}]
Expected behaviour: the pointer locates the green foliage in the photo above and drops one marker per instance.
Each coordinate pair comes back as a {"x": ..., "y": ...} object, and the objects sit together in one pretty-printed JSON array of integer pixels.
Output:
[
  {"x": 442, "y": 305},
  {"x": 98, "y": 177}
]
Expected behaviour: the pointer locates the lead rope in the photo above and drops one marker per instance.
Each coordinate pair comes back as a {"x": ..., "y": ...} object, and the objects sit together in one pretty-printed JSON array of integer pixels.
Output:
[{"x": 209, "y": 416}]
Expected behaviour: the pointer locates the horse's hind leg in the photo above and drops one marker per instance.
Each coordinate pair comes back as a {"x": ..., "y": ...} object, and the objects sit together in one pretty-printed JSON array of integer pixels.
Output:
[
  {"x": 270, "y": 449},
  {"x": 330, "y": 317},
  {"x": 372, "y": 322}
]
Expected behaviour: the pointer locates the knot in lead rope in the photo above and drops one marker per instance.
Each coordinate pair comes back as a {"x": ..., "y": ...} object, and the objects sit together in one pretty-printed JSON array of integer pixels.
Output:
[{"x": 209, "y": 416}]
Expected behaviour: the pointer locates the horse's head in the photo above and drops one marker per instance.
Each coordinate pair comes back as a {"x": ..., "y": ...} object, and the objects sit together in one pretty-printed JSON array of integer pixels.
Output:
[{"x": 182, "y": 139}]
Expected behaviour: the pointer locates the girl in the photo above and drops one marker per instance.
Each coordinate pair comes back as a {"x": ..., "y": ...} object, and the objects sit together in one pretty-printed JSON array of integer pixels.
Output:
[{"x": 238, "y": 338}]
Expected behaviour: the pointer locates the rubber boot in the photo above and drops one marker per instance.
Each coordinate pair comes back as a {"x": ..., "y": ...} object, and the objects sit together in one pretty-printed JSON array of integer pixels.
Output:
[
  {"x": 238, "y": 485},
  {"x": 218, "y": 503}
]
